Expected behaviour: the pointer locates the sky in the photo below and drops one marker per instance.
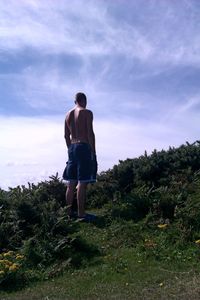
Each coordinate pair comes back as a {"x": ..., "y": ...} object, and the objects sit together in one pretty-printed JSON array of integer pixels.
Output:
[{"x": 138, "y": 62}]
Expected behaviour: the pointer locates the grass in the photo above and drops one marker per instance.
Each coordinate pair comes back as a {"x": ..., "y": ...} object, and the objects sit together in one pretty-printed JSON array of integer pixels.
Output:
[{"x": 121, "y": 271}]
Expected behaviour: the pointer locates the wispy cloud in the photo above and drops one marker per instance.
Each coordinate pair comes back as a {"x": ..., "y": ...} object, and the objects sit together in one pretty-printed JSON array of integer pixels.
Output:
[
  {"x": 191, "y": 104},
  {"x": 137, "y": 61},
  {"x": 93, "y": 29},
  {"x": 34, "y": 148}
]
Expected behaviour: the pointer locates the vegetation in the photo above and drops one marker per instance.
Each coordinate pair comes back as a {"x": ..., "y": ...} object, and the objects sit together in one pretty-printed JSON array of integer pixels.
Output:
[{"x": 148, "y": 223}]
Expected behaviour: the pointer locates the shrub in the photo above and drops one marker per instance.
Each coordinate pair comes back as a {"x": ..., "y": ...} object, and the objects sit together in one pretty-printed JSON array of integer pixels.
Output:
[
  {"x": 12, "y": 266},
  {"x": 133, "y": 206},
  {"x": 188, "y": 212}
]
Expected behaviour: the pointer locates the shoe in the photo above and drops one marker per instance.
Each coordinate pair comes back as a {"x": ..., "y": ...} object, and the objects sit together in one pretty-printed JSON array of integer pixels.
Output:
[{"x": 87, "y": 218}]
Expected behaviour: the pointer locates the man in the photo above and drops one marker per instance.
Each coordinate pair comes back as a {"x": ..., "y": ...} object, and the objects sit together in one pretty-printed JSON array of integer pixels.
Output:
[{"x": 80, "y": 139}]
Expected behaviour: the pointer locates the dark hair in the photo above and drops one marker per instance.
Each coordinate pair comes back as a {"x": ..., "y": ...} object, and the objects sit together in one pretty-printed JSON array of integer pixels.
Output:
[{"x": 80, "y": 97}]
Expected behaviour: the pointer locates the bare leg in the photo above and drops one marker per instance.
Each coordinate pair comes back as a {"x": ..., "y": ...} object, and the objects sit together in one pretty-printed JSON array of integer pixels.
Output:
[
  {"x": 81, "y": 195},
  {"x": 70, "y": 195}
]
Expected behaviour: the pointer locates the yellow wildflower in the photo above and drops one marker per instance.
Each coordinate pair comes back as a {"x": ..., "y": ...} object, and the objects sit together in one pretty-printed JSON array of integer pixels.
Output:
[
  {"x": 161, "y": 284},
  {"x": 2, "y": 272},
  {"x": 6, "y": 254},
  {"x": 9, "y": 253},
  {"x": 19, "y": 256},
  {"x": 162, "y": 226},
  {"x": 7, "y": 262},
  {"x": 197, "y": 242},
  {"x": 14, "y": 267}
]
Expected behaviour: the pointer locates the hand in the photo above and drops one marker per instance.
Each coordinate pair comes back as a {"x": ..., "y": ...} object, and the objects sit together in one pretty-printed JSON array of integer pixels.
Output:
[{"x": 94, "y": 157}]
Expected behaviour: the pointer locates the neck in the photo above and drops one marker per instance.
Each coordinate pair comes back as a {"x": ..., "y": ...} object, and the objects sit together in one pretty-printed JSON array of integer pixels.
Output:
[{"x": 79, "y": 106}]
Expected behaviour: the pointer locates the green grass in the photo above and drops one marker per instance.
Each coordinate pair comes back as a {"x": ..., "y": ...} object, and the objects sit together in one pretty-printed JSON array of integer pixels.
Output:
[
  {"x": 128, "y": 279},
  {"x": 120, "y": 271}
]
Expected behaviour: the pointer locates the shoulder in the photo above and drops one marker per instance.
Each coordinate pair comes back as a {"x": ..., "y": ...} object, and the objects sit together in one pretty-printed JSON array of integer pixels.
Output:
[
  {"x": 88, "y": 115},
  {"x": 69, "y": 113},
  {"x": 88, "y": 112}
]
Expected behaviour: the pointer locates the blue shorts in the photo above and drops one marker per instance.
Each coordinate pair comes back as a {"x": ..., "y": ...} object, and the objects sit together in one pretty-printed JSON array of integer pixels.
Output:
[{"x": 81, "y": 165}]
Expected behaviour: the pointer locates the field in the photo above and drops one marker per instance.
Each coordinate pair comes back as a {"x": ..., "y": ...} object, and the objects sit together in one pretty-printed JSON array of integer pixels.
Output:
[
  {"x": 143, "y": 244},
  {"x": 120, "y": 271}
]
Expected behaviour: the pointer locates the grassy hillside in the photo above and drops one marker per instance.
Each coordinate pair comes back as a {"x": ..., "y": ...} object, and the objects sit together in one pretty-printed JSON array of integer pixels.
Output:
[{"x": 144, "y": 243}]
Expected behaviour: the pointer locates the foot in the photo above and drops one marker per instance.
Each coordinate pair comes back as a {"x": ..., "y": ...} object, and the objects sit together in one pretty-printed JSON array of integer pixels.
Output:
[{"x": 87, "y": 218}]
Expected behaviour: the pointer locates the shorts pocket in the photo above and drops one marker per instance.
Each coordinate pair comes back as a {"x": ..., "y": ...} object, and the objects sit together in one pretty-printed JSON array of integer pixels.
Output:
[{"x": 65, "y": 177}]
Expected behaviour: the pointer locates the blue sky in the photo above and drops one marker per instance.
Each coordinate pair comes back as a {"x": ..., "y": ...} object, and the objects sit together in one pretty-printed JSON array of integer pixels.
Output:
[{"x": 137, "y": 61}]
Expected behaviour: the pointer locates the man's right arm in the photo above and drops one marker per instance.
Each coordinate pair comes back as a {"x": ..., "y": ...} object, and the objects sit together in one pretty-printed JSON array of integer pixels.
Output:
[{"x": 67, "y": 133}]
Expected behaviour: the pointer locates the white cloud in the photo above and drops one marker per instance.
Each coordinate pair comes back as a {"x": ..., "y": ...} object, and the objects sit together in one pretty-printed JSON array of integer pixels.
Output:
[
  {"x": 30, "y": 147},
  {"x": 33, "y": 148},
  {"x": 47, "y": 87},
  {"x": 120, "y": 60},
  {"x": 90, "y": 28}
]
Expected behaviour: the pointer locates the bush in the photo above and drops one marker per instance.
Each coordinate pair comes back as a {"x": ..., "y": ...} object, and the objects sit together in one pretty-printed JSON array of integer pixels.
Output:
[
  {"x": 188, "y": 212},
  {"x": 134, "y": 206},
  {"x": 33, "y": 220},
  {"x": 12, "y": 267}
]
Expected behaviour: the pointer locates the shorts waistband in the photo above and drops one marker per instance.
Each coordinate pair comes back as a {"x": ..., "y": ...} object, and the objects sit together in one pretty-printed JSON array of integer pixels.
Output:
[{"x": 77, "y": 141}]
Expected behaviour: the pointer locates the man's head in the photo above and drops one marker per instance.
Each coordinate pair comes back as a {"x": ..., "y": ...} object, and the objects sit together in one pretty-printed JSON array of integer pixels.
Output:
[{"x": 81, "y": 99}]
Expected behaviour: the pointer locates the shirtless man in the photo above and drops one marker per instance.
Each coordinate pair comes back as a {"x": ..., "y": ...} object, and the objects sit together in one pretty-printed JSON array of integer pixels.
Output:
[{"x": 80, "y": 140}]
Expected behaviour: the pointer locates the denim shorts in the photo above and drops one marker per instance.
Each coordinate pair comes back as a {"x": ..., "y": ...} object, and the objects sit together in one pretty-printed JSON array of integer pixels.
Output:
[{"x": 81, "y": 165}]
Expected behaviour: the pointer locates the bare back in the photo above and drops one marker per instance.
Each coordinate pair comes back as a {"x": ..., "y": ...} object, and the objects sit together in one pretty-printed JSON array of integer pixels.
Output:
[
  {"x": 78, "y": 126},
  {"x": 77, "y": 123}
]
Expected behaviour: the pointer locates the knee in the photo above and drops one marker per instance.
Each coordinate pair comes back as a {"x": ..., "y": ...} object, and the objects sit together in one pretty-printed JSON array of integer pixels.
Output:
[
  {"x": 71, "y": 186},
  {"x": 82, "y": 185}
]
